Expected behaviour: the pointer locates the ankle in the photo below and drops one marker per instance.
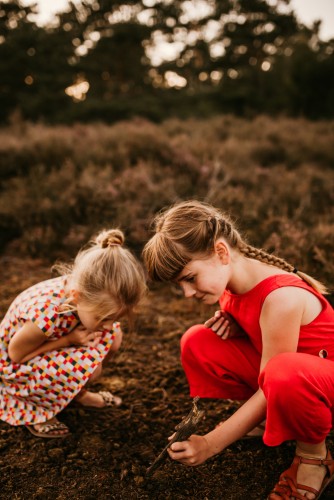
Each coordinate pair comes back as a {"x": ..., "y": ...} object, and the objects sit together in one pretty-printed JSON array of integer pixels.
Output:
[
  {"x": 81, "y": 393},
  {"x": 310, "y": 452}
]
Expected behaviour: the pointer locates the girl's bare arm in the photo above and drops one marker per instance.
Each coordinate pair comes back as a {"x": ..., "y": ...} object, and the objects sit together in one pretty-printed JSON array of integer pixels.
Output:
[
  {"x": 280, "y": 321},
  {"x": 197, "y": 449},
  {"x": 30, "y": 341}
]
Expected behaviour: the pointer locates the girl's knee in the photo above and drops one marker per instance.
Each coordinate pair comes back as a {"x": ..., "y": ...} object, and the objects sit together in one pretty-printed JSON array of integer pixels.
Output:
[
  {"x": 117, "y": 341},
  {"x": 192, "y": 338},
  {"x": 96, "y": 373},
  {"x": 281, "y": 372}
]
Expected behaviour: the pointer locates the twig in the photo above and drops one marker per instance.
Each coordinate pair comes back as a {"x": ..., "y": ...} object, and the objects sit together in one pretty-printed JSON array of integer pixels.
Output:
[{"x": 184, "y": 430}]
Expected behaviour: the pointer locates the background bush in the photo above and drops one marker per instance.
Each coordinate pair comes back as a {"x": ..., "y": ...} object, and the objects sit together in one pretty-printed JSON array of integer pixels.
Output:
[{"x": 60, "y": 185}]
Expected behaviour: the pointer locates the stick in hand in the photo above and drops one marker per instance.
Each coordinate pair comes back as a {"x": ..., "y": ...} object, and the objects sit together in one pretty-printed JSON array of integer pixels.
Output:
[{"x": 184, "y": 430}]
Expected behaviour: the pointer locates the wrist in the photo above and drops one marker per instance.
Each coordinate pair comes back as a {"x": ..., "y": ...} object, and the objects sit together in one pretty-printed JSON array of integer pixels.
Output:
[
  {"x": 68, "y": 340},
  {"x": 211, "y": 446}
]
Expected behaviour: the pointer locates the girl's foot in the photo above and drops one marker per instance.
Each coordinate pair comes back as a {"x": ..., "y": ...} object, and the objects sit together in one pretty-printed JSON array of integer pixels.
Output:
[
  {"x": 310, "y": 475},
  {"x": 102, "y": 399},
  {"x": 50, "y": 429},
  {"x": 307, "y": 477}
]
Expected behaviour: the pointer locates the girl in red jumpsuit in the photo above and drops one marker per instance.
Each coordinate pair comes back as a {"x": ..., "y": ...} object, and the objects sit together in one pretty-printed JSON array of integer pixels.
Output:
[{"x": 271, "y": 343}]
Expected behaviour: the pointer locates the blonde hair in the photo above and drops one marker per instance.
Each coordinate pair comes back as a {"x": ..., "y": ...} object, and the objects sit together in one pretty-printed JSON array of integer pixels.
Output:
[
  {"x": 191, "y": 228},
  {"x": 106, "y": 275}
]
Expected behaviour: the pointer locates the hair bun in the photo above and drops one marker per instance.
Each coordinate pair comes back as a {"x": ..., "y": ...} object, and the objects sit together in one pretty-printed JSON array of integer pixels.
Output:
[{"x": 110, "y": 238}]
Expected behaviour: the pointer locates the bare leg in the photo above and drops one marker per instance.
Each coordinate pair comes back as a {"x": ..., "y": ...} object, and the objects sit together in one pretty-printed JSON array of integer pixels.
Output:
[
  {"x": 95, "y": 399},
  {"x": 89, "y": 398}
]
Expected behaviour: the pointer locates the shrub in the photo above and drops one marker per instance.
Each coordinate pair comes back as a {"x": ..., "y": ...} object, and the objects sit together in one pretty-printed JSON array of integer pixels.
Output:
[{"x": 62, "y": 184}]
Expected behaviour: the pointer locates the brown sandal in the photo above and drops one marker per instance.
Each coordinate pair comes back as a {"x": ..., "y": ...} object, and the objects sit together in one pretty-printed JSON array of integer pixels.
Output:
[
  {"x": 287, "y": 485},
  {"x": 50, "y": 429}
]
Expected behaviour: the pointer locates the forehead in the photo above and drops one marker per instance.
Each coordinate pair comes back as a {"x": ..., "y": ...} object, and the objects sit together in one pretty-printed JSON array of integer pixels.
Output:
[
  {"x": 101, "y": 310},
  {"x": 195, "y": 266}
]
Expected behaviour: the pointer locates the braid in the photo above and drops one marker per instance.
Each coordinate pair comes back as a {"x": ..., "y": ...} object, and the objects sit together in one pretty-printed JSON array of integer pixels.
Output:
[
  {"x": 192, "y": 228},
  {"x": 262, "y": 256},
  {"x": 232, "y": 236}
]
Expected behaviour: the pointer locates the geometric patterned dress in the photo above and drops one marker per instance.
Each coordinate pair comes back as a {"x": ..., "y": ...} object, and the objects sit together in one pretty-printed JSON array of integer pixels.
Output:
[{"x": 37, "y": 390}]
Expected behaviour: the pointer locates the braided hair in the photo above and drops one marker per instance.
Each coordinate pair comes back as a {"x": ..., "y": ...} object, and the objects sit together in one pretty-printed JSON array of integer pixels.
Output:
[{"x": 192, "y": 228}]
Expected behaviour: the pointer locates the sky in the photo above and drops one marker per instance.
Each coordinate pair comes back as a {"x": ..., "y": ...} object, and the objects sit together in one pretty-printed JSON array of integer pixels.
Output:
[{"x": 307, "y": 12}]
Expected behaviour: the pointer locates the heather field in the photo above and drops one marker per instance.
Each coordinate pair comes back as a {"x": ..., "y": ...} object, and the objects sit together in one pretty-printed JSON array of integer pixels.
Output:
[
  {"x": 275, "y": 176},
  {"x": 60, "y": 185}
]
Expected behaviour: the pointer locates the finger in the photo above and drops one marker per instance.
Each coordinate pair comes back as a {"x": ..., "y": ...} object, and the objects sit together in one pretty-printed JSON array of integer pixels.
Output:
[
  {"x": 222, "y": 329},
  {"x": 177, "y": 455},
  {"x": 216, "y": 326},
  {"x": 90, "y": 337},
  {"x": 188, "y": 461},
  {"x": 179, "y": 446},
  {"x": 226, "y": 334},
  {"x": 171, "y": 437},
  {"x": 212, "y": 320}
]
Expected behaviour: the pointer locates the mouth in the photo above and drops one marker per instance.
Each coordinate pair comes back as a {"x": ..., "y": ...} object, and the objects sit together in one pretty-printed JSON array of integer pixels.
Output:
[{"x": 201, "y": 297}]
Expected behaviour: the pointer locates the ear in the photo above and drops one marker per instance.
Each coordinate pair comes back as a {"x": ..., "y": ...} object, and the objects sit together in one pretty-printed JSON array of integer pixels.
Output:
[
  {"x": 74, "y": 295},
  {"x": 223, "y": 252}
]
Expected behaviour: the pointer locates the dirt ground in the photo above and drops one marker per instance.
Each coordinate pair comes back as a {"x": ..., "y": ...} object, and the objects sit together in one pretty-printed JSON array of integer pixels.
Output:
[{"x": 108, "y": 452}]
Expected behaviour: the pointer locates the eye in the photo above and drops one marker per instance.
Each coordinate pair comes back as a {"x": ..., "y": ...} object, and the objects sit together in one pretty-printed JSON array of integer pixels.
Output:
[
  {"x": 108, "y": 318},
  {"x": 189, "y": 279}
]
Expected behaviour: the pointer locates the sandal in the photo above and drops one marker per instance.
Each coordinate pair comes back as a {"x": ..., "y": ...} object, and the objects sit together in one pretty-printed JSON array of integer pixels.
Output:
[
  {"x": 49, "y": 429},
  {"x": 287, "y": 485},
  {"x": 108, "y": 398}
]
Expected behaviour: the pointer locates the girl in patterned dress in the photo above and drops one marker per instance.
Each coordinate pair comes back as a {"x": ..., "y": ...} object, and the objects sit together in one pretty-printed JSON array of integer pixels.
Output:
[
  {"x": 270, "y": 345},
  {"x": 56, "y": 334}
]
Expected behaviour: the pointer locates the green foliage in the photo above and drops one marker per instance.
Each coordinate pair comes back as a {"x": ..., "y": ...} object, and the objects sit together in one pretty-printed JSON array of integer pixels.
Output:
[
  {"x": 62, "y": 184},
  {"x": 244, "y": 57}
]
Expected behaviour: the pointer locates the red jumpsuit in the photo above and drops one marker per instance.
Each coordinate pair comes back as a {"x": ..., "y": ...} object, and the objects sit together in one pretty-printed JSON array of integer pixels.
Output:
[{"x": 299, "y": 387}]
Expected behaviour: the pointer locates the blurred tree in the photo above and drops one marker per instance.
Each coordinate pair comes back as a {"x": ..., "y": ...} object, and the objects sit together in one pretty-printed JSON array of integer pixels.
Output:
[
  {"x": 34, "y": 65},
  {"x": 157, "y": 58},
  {"x": 16, "y": 35}
]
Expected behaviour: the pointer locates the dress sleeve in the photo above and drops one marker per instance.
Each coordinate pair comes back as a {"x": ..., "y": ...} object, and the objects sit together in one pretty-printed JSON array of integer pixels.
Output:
[{"x": 44, "y": 315}]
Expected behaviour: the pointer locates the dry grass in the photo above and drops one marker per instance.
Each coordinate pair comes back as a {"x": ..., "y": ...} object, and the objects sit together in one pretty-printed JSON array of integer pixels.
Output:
[{"x": 61, "y": 184}]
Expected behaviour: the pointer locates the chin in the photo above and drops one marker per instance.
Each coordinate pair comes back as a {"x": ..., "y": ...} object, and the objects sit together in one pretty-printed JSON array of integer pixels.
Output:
[{"x": 210, "y": 301}]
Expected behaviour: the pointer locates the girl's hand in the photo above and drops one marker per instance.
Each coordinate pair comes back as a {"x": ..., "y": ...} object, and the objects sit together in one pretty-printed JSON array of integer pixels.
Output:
[
  {"x": 192, "y": 452},
  {"x": 224, "y": 325},
  {"x": 81, "y": 336}
]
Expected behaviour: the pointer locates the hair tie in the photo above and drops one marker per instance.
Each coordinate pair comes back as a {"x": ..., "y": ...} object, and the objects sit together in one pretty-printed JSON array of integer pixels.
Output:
[
  {"x": 295, "y": 270},
  {"x": 108, "y": 244},
  {"x": 113, "y": 244}
]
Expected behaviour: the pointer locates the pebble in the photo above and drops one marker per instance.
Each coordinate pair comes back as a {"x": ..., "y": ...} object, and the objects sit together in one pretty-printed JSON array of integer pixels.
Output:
[
  {"x": 55, "y": 453},
  {"x": 64, "y": 470}
]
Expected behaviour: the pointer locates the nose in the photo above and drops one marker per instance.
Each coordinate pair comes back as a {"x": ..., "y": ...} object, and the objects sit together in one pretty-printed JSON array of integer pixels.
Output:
[
  {"x": 107, "y": 325},
  {"x": 188, "y": 290}
]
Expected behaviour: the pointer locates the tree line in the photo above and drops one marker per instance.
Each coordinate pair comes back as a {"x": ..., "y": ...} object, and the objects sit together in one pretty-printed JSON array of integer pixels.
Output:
[{"x": 107, "y": 61}]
